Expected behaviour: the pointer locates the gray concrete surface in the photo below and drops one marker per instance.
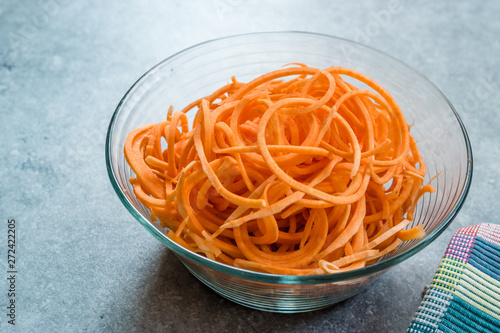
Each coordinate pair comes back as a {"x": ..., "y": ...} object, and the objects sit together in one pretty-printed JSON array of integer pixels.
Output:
[{"x": 84, "y": 264}]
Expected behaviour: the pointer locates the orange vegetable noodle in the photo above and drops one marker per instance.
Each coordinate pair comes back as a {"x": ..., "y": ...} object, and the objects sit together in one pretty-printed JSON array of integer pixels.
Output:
[{"x": 297, "y": 172}]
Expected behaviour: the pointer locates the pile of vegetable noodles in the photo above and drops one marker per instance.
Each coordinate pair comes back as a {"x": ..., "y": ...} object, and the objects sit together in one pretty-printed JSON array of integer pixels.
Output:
[{"x": 297, "y": 172}]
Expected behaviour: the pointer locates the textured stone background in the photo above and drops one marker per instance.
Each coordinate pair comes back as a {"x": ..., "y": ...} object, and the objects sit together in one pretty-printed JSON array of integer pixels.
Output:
[{"x": 84, "y": 263}]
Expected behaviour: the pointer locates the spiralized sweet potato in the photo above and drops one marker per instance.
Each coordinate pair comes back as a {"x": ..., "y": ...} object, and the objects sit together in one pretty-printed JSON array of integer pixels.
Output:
[{"x": 296, "y": 172}]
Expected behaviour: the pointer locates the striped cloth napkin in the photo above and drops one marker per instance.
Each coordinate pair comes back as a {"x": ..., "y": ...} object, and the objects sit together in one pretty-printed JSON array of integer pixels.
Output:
[{"x": 464, "y": 295}]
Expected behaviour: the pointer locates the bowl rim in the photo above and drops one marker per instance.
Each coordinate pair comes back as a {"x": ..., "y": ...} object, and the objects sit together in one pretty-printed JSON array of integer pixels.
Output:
[{"x": 276, "y": 278}]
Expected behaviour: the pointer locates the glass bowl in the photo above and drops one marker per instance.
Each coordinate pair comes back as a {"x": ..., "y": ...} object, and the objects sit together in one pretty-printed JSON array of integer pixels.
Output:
[{"x": 201, "y": 69}]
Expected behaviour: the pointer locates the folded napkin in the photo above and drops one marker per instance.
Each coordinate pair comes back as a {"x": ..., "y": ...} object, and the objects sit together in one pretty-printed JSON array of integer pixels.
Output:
[{"x": 464, "y": 295}]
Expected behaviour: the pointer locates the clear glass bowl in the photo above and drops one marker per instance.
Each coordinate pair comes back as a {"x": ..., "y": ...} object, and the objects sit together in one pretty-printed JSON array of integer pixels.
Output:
[{"x": 199, "y": 70}]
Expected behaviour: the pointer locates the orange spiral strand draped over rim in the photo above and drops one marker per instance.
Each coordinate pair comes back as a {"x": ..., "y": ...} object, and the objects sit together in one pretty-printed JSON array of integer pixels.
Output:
[{"x": 297, "y": 172}]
